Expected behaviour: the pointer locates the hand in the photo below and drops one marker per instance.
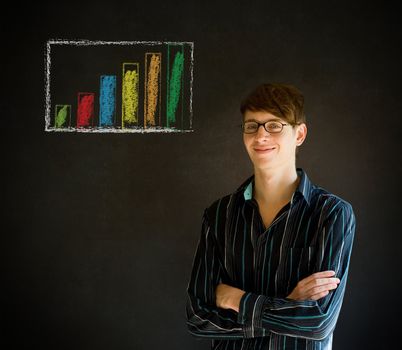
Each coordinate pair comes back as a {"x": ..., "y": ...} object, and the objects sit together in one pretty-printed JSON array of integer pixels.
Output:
[
  {"x": 228, "y": 297},
  {"x": 315, "y": 286}
]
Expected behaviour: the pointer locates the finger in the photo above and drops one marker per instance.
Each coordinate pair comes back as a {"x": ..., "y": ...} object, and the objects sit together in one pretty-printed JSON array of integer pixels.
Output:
[
  {"x": 327, "y": 273},
  {"x": 304, "y": 293},
  {"x": 320, "y": 282},
  {"x": 319, "y": 289},
  {"x": 319, "y": 295},
  {"x": 321, "y": 274}
]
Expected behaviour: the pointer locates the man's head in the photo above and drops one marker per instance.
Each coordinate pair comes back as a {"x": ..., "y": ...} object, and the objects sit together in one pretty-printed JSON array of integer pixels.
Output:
[
  {"x": 284, "y": 101},
  {"x": 269, "y": 102}
]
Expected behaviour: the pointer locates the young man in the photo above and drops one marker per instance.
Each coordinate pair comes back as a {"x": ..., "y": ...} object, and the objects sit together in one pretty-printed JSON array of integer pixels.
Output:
[{"x": 272, "y": 261}]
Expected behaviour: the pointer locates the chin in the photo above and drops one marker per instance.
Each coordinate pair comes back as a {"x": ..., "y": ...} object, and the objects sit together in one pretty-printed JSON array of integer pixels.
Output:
[{"x": 262, "y": 164}]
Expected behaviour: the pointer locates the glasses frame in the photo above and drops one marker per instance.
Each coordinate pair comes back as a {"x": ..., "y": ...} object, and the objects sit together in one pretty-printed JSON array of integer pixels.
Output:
[{"x": 264, "y": 125}]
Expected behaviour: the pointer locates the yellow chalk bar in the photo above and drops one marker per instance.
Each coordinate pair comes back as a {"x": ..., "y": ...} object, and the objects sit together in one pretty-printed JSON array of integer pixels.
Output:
[{"x": 130, "y": 94}]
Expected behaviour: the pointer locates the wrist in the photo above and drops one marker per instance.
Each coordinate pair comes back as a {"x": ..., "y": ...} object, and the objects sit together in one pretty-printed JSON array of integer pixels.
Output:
[{"x": 235, "y": 300}]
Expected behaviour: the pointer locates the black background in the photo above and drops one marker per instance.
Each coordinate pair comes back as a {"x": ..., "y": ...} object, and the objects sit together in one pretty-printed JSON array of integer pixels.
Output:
[{"x": 100, "y": 229}]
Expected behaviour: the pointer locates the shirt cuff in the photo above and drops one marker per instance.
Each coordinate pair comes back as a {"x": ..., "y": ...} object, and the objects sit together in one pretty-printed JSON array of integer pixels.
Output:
[{"x": 250, "y": 314}]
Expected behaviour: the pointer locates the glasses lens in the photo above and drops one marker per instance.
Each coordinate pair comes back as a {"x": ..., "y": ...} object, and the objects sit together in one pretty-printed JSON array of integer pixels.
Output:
[
  {"x": 250, "y": 127},
  {"x": 273, "y": 127}
]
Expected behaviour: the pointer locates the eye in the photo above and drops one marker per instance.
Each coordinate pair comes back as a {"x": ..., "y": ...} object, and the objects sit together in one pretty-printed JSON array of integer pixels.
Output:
[
  {"x": 251, "y": 126},
  {"x": 274, "y": 126}
]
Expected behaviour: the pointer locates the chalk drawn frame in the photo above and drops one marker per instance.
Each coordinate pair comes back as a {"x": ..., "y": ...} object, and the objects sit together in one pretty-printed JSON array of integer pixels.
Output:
[{"x": 84, "y": 42}]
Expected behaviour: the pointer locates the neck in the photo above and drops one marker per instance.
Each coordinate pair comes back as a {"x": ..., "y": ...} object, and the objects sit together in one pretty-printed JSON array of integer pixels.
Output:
[{"x": 275, "y": 186}]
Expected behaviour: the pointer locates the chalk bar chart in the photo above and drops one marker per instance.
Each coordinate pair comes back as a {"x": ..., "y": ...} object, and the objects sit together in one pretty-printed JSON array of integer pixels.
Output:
[{"x": 118, "y": 86}]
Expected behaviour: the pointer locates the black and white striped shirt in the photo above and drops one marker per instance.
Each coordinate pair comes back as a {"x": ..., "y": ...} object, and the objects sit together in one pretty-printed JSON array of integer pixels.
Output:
[{"x": 313, "y": 232}]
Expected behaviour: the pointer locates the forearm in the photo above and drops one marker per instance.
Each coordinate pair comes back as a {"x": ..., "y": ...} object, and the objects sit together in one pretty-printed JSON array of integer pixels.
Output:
[
  {"x": 212, "y": 322},
  {"x": 258, "y": 313},
  {"x": 228, "y": 297}
]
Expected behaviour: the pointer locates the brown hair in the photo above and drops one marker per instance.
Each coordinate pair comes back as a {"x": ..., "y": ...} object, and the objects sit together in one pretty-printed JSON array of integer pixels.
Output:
[{"x": 282, "y": 100}]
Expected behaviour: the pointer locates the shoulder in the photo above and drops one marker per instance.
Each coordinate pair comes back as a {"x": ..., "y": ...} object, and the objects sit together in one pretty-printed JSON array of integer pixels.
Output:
[
  {"x": 219, "y": 208},
  {"x": 330, "y": 205},
  {"x": 222, "y": 207}
]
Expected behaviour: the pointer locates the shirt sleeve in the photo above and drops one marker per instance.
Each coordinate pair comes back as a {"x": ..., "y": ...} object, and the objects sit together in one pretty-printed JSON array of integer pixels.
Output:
[
  {"x": 204, "y": 318},
  {"x": 309, "y": 319}
]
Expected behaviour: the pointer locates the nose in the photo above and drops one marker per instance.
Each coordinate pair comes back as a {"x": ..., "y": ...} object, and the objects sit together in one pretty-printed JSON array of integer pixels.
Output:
[{"x": 261, "y": 132}]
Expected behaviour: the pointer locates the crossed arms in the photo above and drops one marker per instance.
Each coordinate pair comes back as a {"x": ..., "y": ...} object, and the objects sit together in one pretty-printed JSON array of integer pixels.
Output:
[{"x": 220, "y": 311}]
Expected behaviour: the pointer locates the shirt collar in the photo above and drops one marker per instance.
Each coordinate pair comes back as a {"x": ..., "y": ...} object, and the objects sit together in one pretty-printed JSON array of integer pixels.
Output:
[{"x": 305, "y": 186}]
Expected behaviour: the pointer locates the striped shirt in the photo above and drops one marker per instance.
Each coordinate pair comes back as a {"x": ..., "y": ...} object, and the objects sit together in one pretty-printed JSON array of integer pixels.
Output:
[{"x": 313, "y": 232}]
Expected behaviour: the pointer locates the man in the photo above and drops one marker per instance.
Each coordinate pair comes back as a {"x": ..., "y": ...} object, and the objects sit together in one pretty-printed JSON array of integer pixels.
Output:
[{"x": 272, "y": 261}]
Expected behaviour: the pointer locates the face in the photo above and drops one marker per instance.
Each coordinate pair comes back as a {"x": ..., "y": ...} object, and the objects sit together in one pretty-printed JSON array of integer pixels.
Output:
[{"x": 269, "y": 151}]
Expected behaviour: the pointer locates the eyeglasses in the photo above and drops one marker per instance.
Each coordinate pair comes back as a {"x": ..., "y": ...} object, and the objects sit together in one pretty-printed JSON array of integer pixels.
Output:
[{"x": 273, "y": 127}]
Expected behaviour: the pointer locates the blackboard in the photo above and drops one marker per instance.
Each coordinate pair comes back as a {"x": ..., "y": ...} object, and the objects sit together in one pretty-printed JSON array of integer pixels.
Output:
[{"x": 100, "y": 228}]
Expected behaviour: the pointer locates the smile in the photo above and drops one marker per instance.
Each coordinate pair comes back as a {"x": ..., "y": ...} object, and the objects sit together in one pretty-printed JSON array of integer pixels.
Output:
[{"x": 264, "y": 150}]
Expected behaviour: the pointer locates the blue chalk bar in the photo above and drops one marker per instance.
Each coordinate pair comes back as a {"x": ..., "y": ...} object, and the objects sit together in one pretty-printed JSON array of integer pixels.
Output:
[{"x": 107, "y": 100}]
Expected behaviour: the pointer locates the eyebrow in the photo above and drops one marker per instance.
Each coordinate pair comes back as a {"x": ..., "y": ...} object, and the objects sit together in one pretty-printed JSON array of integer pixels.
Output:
[{"x": 269, "y": 120}]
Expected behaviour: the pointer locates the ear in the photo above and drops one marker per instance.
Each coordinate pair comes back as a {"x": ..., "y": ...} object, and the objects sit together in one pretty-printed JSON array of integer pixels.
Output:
[{"x": 301, "y": 133}]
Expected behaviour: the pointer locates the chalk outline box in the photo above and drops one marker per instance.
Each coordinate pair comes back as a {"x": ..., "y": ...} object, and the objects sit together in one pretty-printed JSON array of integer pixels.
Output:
[{"x": 85, "y": 42}]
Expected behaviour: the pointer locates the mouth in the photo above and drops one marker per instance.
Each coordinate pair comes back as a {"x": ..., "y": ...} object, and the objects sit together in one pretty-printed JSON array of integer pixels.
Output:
[{"x": 264, "y": 150}]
